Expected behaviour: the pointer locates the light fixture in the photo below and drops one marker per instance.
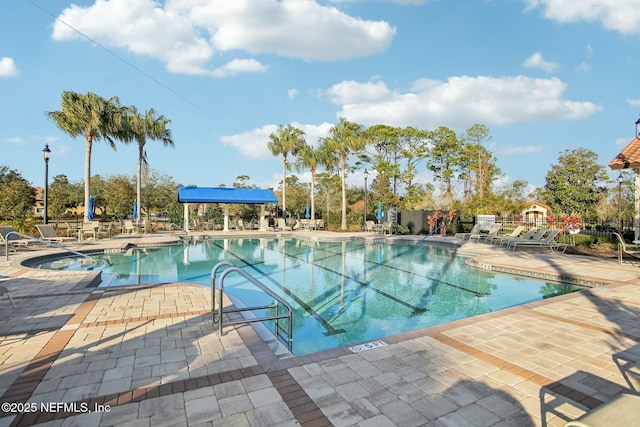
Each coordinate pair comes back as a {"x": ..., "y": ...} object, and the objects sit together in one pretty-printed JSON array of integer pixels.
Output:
[{"x": 47, "y": 153}]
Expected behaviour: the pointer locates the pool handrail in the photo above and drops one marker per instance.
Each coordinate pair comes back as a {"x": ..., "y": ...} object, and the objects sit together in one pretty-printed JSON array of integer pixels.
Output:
[
  {"x": 230, "y": 268},
  {"x": 42, "y": 242}
]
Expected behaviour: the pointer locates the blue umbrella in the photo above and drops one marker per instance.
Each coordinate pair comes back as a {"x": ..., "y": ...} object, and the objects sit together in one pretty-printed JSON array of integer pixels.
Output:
[
  {"x": 379, "y": 215},
  {"x": 307, "y": 212},
  {"x": 135, "y": 209},
  {"x": 90, "y": 209}
]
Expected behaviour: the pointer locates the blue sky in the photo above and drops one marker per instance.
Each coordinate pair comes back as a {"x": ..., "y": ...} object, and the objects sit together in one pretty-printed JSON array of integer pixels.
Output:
[{"x": 544, "y": 75}]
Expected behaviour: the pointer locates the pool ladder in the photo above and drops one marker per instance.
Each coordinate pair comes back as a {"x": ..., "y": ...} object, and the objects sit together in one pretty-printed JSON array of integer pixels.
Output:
[{"x": 217, "y": 314}]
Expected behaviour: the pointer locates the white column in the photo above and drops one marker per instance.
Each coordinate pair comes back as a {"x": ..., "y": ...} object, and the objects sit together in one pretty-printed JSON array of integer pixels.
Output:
[
  {"x": 225, "y": 209},
  {"x": 186, "y": 217},
  {"x": 262, "y": 218}
]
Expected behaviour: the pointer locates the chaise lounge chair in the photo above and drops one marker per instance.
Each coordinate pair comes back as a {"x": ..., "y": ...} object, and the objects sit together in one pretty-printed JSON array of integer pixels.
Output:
[
  {"x": 547, "y": 241},
  {"x": 626, "y": 248},
  {"x": 534, "y": 233},
  {"x": 495, "y": 228},
  {"x": 496, "y": 239},
  {"x": 14, "y": 240},
  {"x": 465, "y": 236},
  {"x": 282, "y": 225},
  {"x": 48, "y": 234}
]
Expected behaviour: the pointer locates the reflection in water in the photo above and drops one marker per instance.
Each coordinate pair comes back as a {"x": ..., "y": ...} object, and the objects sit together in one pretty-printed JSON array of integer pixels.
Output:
[{"x": 343, "y": 292}]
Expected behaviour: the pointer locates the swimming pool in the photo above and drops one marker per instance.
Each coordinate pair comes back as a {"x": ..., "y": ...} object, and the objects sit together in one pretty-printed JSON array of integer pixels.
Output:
[{"x": 342, "y": 292}]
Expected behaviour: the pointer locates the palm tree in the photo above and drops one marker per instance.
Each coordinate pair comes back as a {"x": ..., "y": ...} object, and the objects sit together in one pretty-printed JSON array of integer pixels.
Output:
[
  {"x": 286, "y": 141},
  {"x": 140, "y": 128},
  {"x": 94, "y": 117},
  {"x": 345, "y": 138},
  {"x": 310, "y": 158}
]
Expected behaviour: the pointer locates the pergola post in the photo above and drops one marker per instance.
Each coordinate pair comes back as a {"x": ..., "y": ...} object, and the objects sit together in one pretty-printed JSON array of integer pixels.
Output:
[
  {"x": 262, "y": 218},
  {"x": 225, "y": 209},
  {"x": 186, "y": 218}
]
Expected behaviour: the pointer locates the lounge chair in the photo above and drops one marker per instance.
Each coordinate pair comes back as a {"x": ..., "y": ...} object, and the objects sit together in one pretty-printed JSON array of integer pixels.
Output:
[
  {"x": 386, "y": 227},
  {"x": 282, "y": 225},
  {"x": 534, "y": 233},
  {"x": 465, "y": 236},
  {"x": 14, "y": 240},
  {"x": 514, "y": 234},
  {"x": 48, "y": 234},
  {"x": 623, "y": 410},
  {"x": 369, "y": 226},
  {"x": 626, "y": 248},
  {"x": 319, "y": 224},
  {"x": 548, "y": 241},
  {"x": 495, "y": 228}
]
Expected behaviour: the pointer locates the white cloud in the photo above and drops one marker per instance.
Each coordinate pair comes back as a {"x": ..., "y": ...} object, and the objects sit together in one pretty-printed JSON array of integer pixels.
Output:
[
  {"x": 459, "y": 102},
  {"x": 617, "y": 15},
  {"x": 537, "y": 61},
  {"x": 292, "y": 93},
  {"x": 634, "y": 102},
  {"x": 239, "y": 66},
  {"x": 187, "y": 34},
  {"x": 8, "y": 67},
  {"x": 253, "y": 144},
  {"x": 15, "y": 140},
  {"x": 526, "y": 149},
  {"x": 584, "y": 67}
]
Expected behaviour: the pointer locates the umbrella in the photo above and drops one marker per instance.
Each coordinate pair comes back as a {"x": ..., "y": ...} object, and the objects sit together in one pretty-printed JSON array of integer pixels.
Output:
[
  {"x": 90, "y": 208},
  {"x": 135, "y": 210},
  {"x": 307, "y": 212},
  {"x": 379, "y": 215}
]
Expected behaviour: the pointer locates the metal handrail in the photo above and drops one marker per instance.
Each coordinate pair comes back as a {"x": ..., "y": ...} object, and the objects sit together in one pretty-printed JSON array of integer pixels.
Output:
[
  {"x": 43, "y": 242},
  {"x": 230, "y": 268}
]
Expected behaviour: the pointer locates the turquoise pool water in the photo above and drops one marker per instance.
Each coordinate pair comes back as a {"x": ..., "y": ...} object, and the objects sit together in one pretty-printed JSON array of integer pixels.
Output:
[{"x": 342, "y": 292}]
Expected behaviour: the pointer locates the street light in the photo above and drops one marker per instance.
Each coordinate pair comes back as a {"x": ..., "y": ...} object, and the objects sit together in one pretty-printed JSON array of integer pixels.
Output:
[
  {"x": 366, "y": 175},
  {"x": 47, "y": 154},
  {"x": 620, "y": 201},
  {"x": 638, "y": 128}
]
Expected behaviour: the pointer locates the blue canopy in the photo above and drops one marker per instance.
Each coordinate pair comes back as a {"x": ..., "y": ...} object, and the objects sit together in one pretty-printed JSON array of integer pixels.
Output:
[{"x": 225, "y": 195}]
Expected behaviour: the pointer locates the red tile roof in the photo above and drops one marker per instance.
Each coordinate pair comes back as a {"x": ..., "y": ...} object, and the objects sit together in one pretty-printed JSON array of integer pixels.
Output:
[{"x": 629, "y": 157}]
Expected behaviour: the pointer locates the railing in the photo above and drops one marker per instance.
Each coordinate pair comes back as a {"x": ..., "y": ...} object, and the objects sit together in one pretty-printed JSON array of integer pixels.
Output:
[
  {"x": 42, "y": 242},
  {"x": 217, "y": 316}
]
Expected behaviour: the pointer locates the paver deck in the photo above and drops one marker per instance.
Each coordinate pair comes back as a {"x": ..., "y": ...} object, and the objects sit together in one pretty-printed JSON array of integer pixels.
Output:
[{"x": 149, "y": 355}]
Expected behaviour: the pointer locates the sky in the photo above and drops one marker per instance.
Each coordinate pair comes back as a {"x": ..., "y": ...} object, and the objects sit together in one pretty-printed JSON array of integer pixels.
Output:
[{"x": 544, "y": 76}]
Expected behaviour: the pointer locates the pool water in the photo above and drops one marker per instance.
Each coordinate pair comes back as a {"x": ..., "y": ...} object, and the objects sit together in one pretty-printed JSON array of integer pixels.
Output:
[{"x": 342, "y": 292}]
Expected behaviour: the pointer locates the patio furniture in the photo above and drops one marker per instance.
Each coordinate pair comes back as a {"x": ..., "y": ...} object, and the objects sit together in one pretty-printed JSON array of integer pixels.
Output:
[
  {"x": 626, "y": 248},
  {"x": 623, "y": 410},
  {"x": 282, "y": 225},
  {"x": 547, "y": 241},
  {"x": 48, "y": 234},
  {"x": 14, "y": 240},
  {"x": 465, "y": 236},
  {"x": 515, "y": 233},
  {"x": 495, "y": 228}
]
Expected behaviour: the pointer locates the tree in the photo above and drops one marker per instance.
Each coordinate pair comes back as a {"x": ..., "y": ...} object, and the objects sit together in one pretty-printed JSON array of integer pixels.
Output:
[
  {"x": 286, "y": 141},
  {"x": 140, "y": 128},
  {"x": 17, "y": 196},
  {"x": 93, "y": 117},
  {"x": 312, "y": 158},
  {"x": 443, "y": 160},
  {"x": 159, "y": 190},
  {"x": 346, "y": 137},
  {"x": 575, "y": 185},
  {"x": 61, "y": 196},
  {"x": 118, "y": 193},
  {"x": 476, "y": 136}
]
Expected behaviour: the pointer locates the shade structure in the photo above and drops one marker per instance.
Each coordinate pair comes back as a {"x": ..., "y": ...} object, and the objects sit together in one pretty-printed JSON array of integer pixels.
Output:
[
  {"x": 90, "y": 209},
  {"x": 225, "y": 195},
  {"x": 307, "y": 211},
  {"x": 379, "y": 215},
  {"x": 135, "y": 210}
]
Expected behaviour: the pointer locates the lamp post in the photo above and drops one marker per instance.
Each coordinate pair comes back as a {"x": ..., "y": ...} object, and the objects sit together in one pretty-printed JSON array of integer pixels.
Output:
[
  {"x": 47, "y": 154},
  {"x": 638, "y": 128},
  {"x": 366, "y": 175},
  {"x": 620, "y": 202}
]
